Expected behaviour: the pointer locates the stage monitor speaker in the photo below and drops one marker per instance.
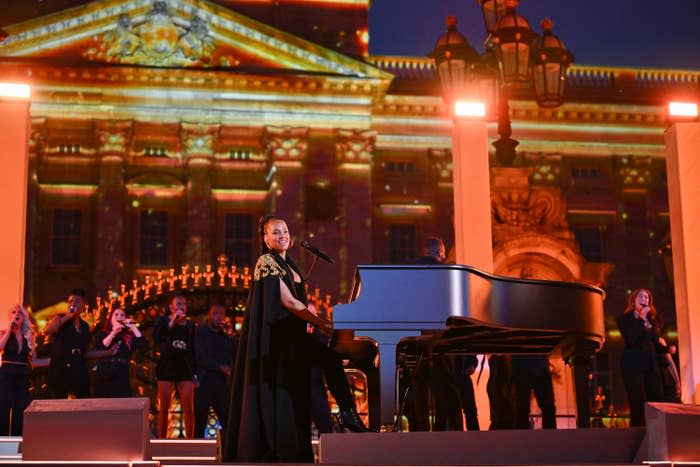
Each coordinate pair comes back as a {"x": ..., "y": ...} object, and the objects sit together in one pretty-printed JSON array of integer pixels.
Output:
[
  {"x": 86, "y": 430},
  {"x": 673, "y": 431}
]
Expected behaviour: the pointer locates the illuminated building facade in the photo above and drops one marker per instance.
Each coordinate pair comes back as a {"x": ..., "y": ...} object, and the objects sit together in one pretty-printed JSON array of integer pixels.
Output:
[{"x": 162, "y": 130}]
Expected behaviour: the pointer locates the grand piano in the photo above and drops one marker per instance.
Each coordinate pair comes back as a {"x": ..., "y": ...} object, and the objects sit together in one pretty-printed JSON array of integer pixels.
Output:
[{"x": 409, "y": 310}]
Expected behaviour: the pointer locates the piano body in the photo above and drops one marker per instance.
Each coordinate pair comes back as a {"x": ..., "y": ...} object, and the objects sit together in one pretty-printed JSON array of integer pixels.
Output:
[{"x": 459, "y": 309}]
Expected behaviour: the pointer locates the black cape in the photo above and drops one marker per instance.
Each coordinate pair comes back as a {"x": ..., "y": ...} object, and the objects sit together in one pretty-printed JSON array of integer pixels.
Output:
[{"x": 269, "y": 418}]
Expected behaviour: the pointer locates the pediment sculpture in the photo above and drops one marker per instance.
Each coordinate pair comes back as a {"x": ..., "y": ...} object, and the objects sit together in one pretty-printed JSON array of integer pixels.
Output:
[{"x": 159, "y": 39}]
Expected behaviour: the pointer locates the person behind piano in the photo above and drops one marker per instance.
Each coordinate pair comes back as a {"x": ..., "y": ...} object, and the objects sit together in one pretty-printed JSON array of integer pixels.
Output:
[
  {"x": 433, "y": 251},
  {"x": 269, "y": 417},
  {"x": 641, "y": 374},
  {"x": 447, "y": 379},
  {"x": 530, "y": 375}
]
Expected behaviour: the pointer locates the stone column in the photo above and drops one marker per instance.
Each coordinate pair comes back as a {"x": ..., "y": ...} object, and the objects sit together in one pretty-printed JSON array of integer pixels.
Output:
[
  {"x": 14, "y": 138},
  {"x": 199, "y": 143},
  {"x": 472, "y": 195},
  {"x": 113, "y": 140},
  {"x": 683, "y": 172},
  {"x": 286, "y": 149},
  {"x": 354, "y": 149}
]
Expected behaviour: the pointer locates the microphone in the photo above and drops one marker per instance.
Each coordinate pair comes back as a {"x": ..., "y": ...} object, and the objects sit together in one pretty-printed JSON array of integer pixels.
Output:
[{"x": 316, "y": 252}]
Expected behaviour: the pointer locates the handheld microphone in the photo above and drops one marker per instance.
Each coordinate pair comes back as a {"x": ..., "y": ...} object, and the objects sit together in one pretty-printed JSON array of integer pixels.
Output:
[{"x": 316, "y": 252}]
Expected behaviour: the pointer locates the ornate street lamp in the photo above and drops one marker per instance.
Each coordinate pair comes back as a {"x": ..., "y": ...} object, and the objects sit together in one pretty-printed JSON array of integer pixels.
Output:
[
  {"x": 513, "y": 52},
  {"x": 550, "y": 59},
  {"x": 454, "y": 59},
  {"x": 493, "y": 11},
  {"x": 512, "y": 39}
]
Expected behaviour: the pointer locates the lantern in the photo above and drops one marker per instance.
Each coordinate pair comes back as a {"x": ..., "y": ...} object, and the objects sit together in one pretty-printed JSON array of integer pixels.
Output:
[
  {"x": 454, "y": 59},
  {"x": 512, "y": 41},
  {"x": 550, "y": 59}
]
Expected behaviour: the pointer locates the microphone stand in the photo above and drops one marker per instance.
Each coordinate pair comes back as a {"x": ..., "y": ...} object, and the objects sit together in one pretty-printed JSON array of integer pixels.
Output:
[{"x": 311, "y": 268}]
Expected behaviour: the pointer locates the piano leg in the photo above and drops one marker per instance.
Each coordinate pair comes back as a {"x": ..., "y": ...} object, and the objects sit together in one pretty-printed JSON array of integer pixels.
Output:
[
  {"x": 582, "y": 365},
  {"x": 387, "y": 384}
]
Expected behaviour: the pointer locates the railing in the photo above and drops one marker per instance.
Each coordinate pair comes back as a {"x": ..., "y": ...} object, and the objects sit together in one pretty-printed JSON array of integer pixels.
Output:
[
  {"x": 410, "y": 68},
  {"x": 422, "y": 69}
]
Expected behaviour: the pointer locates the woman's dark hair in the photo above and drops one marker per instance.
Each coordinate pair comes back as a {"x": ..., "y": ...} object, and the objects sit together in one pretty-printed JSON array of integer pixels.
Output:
[
  {"x": 261, "y": 232},
  {"x": 176, "y": 294}
]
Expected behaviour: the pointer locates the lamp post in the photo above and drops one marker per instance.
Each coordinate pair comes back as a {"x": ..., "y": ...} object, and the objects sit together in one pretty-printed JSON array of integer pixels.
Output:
[
  {"x": 513, "y": 55},
  {"x": 682, "y": 140},
  {"x": 14, "y": 113},
  {"x": 455, "y": 61}
]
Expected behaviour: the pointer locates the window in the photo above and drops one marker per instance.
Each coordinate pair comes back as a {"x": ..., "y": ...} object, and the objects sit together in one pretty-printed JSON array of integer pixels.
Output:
[
  {"x": 399, "y": 167},
  {"x": 238, "y": 239},
  {"x": 402, "y": 243},
  {"x": 153, "y": 242},
  {"x": 590, "y": 240},
  {"x": 65, "y": 237},
  {"x": 585, "y": 172}
]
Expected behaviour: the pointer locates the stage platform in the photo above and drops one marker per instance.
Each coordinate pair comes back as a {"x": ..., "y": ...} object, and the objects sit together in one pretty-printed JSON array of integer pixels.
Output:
[
  {"x": 163, "y": 452},
  {"x": 672, "y": 437},
  {"x": 512, "y": 447}
]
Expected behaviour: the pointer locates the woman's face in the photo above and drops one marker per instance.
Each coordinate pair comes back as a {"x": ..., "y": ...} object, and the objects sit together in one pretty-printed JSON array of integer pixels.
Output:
[
  {"x": 641, "y": 300},
  {"x": 16, "y": 315},
  {"x": 118, "y": 315},
  {"x": 277, "y": 235}
]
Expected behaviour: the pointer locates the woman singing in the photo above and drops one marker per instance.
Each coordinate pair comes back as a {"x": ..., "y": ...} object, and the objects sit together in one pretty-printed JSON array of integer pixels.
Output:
[
  {"x": 270, "y": 416},
  {"x": 17, "y": 348},
  {"x": 175, "y": 369},
  {"x": 640, "y": 363},
  {"x": 110, "y": 375}
]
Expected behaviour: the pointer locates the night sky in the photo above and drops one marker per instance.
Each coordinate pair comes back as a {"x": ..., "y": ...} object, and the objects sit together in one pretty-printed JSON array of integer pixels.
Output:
[{"x": 634, "y": 33}]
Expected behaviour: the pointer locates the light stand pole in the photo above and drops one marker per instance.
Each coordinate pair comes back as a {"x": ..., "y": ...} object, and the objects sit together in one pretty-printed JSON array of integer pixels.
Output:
[{"x": 682, "y": 140}]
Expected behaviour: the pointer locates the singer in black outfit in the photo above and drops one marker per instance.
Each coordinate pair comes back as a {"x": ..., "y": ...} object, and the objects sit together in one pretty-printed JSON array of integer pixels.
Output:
[
  {"x": 68, "y": 371},
  {"x": 110, "y": 375},
  {"x": 175, "y": 370},
  {"x": 270, "y": 419},
  {"x": 17, "y": 349},
  {"x": 640, "y": 363}
]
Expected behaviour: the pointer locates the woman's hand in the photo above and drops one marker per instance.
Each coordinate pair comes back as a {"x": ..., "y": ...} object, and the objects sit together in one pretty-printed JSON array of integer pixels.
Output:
[
  {"x": 176, "y": 316},
  {"x": 326, "y": 327}
]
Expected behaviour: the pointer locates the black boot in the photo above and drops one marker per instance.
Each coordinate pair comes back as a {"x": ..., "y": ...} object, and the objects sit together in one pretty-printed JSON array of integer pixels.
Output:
[{"x": 351, "y": 420}]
